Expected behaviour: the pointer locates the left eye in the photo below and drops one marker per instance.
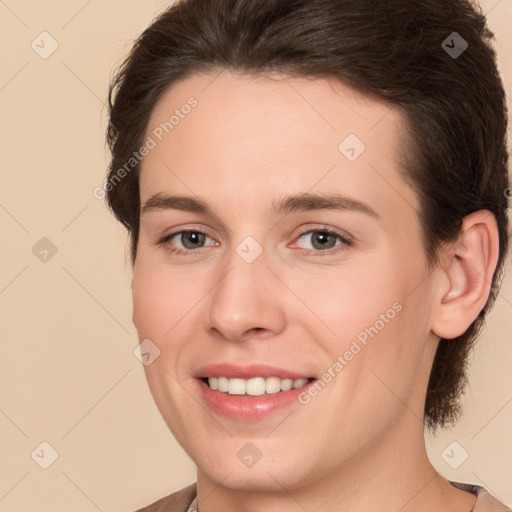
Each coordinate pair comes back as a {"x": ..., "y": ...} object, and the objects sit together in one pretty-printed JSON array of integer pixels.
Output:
[
  {"x": 189, "y": 239},
  {"x": 321, "y": 240}
]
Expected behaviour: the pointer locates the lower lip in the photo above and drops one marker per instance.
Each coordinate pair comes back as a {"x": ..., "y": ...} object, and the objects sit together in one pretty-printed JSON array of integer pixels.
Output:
[{"x": 246, "y": 407}]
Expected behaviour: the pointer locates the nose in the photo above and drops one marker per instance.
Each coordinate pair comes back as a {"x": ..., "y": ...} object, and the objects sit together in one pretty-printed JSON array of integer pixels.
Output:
[{"x": 246, "y": 302}]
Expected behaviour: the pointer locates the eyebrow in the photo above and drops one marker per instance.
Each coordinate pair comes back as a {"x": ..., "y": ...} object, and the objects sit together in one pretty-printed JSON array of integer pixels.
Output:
[{"x": 290, "y": 204}]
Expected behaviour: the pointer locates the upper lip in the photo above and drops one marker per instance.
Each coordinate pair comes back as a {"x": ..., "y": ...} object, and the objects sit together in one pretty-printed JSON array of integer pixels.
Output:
[{"x": 247, "y": 371}]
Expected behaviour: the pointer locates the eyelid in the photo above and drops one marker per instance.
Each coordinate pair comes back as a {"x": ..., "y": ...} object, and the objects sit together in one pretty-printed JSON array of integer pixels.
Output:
[
  {"x": 189, "y": 227},
  {"x": 324, "y": 228},
  {"x": 170, "y": 236}
]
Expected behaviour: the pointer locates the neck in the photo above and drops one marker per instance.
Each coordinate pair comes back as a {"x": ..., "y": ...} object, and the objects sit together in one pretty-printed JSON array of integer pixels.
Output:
[{"x": 394, "y": 474}]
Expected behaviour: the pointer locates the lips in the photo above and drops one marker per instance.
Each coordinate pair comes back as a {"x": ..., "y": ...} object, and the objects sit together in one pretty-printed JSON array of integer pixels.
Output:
[
  {"x": 248, "y": 372},
  {"x": 245, "y": 406}
]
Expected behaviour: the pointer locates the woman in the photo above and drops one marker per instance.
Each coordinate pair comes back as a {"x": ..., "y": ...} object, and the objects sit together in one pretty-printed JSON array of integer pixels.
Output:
[{"x": 316, "y": 195}]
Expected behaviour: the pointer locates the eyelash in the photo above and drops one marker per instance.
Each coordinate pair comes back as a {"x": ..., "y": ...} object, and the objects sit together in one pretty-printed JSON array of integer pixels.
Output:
[{"x": 186, "y": 252}]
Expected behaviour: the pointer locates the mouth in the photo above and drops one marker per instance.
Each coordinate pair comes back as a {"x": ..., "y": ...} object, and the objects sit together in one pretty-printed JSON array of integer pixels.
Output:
[
  {"x": 252, "y": 392},
  {"x": 255, "y": 386}
]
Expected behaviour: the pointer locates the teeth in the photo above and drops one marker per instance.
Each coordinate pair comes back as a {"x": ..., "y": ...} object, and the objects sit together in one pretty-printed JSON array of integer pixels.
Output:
[
  {"x": 286, "y": 384},
  {"x": 256, "y": 386},
  {"x": 222, "y": 384},
  {"x": 236, "y": 386}
]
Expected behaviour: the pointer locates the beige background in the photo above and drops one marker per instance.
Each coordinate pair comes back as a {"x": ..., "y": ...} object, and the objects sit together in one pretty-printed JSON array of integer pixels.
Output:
[{"x": 68, "y": 373}]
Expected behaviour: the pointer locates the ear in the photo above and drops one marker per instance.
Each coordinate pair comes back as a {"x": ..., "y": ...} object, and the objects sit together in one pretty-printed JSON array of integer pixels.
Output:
[{"x": 465, "y": 276}]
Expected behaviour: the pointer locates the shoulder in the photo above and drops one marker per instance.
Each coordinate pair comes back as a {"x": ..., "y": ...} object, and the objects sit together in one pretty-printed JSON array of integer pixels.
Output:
[
  {"x": 485, "y": 501},
  {"x": 178, "y": 501}
]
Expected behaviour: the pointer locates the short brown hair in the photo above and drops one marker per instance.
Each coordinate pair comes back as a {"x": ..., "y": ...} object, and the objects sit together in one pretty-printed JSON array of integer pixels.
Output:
[{"x": 454, "y": 104}]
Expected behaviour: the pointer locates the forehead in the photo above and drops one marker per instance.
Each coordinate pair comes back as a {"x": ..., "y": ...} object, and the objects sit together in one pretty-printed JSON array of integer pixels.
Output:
[{"x": 251, "y": 136}]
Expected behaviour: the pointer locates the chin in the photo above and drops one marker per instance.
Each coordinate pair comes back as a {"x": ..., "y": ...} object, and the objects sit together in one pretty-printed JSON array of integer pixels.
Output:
[{"x": 262, "y": 479}]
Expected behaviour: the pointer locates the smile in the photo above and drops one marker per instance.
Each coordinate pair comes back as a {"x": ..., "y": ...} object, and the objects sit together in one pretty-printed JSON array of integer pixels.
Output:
[{"x": 255, "y": 386}]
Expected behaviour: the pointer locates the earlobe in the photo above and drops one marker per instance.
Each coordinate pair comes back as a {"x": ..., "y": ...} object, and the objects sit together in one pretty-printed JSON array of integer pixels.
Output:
[{"x": 465, "y": 282}]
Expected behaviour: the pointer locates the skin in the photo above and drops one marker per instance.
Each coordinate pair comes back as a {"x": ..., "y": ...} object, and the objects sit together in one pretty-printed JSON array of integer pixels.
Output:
[{"x": 359, "y": 444}]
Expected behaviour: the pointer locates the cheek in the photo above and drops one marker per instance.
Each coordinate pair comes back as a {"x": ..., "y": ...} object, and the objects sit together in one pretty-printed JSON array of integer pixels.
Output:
[
  {"x": 161, "y": 299},
  {"x": 350, "y": 300},
  {"x": 375, "y": 317},
  {"x": 148, "y": 302}
]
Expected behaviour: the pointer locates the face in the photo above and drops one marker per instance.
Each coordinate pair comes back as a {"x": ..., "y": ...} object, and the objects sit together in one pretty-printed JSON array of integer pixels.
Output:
[{"x": 279, "y": 246}]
